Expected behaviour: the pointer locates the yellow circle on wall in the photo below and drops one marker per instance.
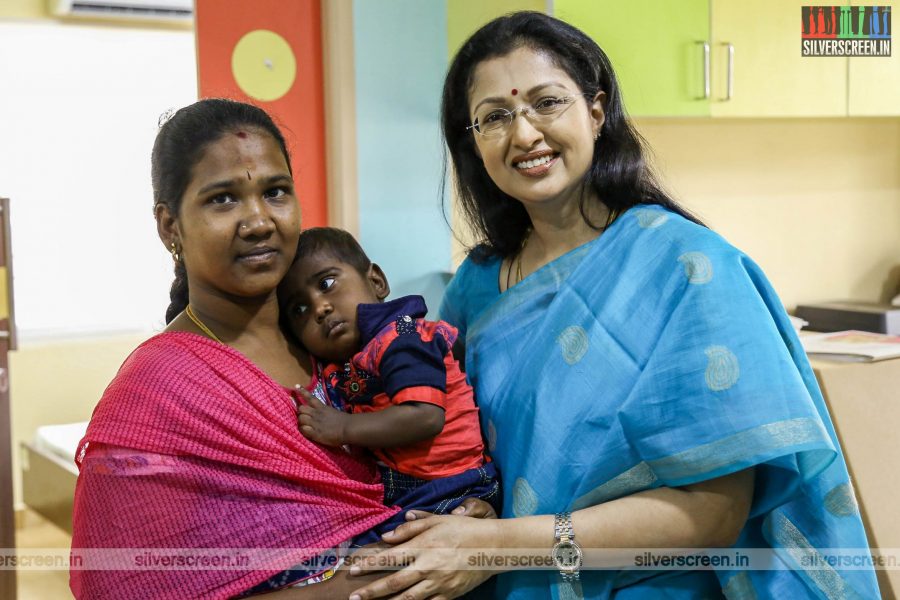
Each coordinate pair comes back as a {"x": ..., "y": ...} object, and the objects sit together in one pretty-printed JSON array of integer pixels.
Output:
[{"x": 263, "y": 65}]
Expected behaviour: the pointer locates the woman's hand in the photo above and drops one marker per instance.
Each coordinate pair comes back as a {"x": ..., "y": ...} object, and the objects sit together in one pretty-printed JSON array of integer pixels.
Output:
[
  {"x": 471, "y": 507},
  {"x": 440, "y": 554}
]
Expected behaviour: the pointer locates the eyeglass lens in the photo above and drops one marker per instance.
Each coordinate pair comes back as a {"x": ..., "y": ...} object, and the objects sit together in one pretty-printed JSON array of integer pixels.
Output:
[{"x": 496, "y": 121}]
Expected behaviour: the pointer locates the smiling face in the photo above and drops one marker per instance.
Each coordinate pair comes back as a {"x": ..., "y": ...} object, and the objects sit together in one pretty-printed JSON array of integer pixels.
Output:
[
  {"x": 239, "y": 220},
  {"x": 319, "y": 297},
  {"x": 543, "y": 162}
]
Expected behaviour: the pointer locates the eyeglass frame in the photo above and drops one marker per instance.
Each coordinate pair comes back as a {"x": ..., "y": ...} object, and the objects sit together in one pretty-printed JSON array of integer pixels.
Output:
[{"x": 525, "y": 110}]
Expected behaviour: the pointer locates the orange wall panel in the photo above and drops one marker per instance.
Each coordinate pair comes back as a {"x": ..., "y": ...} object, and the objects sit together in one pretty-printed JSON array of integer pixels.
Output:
[{"x": 269, "y": 53}]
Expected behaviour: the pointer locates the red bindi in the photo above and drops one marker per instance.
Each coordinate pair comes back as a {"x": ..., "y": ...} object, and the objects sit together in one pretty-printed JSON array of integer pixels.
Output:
[
  {"x": 515, "y": 91},
  {"x": 241, "y": 134}
]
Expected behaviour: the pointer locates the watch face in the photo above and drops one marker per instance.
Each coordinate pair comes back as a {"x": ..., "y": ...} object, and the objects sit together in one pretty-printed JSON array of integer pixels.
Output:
[{"x": 567, "y": 556}]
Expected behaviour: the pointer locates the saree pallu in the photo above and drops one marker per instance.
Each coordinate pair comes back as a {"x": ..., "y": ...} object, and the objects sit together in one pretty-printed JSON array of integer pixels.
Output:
[
  {"x": 193, "y": 447},
  {"x": 657, "y": 355}
]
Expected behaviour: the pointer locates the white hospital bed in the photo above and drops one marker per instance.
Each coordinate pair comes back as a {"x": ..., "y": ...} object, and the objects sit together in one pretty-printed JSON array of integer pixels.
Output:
[{"x": 49, "y": 471}]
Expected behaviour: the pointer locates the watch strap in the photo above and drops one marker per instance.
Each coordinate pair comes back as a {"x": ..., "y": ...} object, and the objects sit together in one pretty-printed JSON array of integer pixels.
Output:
[
  {"x": 564, "y": 532},
  {"x": 562, "y": 527}
]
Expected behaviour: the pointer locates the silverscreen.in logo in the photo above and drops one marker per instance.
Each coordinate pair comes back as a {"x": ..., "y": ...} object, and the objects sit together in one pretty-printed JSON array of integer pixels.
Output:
[{"x": 846, "y": 30}]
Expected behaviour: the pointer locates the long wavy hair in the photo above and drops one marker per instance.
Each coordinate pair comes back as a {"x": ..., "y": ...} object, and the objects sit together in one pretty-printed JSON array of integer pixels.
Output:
[
  {"x": 619, "y": 174},
  {"x": 179, "y": 146}
]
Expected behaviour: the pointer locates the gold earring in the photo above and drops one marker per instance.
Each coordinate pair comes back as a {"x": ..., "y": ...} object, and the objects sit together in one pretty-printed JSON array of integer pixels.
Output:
[{"x": 175, "y": 255}]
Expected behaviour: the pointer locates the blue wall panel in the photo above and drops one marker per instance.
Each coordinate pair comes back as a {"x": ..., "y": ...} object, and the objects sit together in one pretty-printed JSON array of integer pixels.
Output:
[{"x": 400, "y": 52}]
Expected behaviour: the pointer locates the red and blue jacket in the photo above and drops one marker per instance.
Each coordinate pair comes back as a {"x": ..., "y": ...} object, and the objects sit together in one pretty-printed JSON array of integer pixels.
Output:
[{"x": 406, "y": 358}]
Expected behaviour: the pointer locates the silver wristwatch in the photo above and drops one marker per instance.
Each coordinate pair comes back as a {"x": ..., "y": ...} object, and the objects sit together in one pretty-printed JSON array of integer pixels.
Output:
[{"x": 566, "y": 553}]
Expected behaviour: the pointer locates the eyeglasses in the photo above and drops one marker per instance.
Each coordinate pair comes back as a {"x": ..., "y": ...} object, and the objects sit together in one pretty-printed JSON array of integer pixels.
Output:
[{"x": 495, "y": 122}]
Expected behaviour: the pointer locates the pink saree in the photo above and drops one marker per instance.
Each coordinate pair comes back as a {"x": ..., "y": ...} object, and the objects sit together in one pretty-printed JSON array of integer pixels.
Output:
[{"x": 193, "y": 447}]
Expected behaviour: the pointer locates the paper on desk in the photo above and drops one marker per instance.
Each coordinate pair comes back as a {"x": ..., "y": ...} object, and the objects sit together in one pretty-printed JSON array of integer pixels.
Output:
[
  {"x": 797, "y": 322},
  {"x": 856, "y": 346}
]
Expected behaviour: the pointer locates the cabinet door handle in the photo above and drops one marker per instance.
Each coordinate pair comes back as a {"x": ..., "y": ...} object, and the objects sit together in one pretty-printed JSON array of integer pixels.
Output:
[
  {"x": 706, "y": 86},
  {"x": 729, "y": 91}
]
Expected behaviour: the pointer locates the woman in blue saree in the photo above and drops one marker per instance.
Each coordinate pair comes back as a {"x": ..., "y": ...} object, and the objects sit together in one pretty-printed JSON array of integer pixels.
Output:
[{"x": 639, "y": 382}]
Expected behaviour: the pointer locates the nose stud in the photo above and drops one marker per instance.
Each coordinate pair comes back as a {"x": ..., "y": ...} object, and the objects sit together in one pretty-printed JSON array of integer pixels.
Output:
[
  {"x": 256, "y": 224},
  {"x": 244, "y": 227}
]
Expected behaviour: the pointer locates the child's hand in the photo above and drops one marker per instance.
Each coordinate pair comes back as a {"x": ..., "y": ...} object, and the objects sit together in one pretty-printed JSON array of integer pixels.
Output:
[{"x": 321, "y": 423}]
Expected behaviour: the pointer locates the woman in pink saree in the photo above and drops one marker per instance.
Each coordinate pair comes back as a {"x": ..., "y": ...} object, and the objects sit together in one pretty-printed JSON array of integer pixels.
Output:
[{"x": 194, "y": 447}]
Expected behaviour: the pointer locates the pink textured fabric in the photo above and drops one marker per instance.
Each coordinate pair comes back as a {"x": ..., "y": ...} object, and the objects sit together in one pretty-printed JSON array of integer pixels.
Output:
[{"x": 192, "y": 446}]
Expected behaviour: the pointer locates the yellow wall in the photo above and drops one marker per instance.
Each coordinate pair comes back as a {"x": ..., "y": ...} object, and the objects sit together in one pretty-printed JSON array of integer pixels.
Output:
[
  {"x": 464, "y": 17},
  {"x": 60, "y": 382},
  {"x": 816, "y": 202},
  {"x": 23, "y": 9}
]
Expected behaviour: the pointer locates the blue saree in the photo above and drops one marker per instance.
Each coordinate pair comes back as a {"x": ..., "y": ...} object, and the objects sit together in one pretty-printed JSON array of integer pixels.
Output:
[{"x": 657, "y": 355}]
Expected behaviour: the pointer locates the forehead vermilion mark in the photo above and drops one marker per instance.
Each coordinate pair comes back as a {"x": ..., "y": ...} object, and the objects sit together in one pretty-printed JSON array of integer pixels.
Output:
[
  {"x": 241, "y": 134},
  {"x": 515, "y": 91}
]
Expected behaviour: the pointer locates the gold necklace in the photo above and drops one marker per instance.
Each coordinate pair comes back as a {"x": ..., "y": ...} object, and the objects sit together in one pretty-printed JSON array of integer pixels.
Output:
[
  {"x": 519, "y": 258},
  {"x": 193, "y": 317}
]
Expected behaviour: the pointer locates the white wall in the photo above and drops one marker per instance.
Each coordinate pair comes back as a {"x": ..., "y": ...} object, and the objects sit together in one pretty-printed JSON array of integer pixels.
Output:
[{"x": 79, "y": 107}]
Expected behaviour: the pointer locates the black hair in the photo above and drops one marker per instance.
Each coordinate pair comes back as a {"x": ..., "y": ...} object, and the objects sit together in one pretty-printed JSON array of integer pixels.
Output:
[
  {"x": 619, "y": 173},
  {"x": 179, "y": 146},
  {"x": 338, "y": 243},
  {"x": 335, "y": 242}
]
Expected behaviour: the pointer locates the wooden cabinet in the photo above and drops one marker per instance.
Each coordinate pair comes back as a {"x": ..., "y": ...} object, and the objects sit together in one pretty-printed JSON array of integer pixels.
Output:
[
  {"x": 862, "y": 399},
  {"x": 755, "y": 65},
  {"x": 656, "y": 48},
  {"x": 7, "y": 342}
]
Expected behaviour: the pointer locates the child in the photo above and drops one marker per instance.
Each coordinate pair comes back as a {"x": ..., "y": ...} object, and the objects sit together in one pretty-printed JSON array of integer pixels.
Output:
[{"x": 408, "y": 401}]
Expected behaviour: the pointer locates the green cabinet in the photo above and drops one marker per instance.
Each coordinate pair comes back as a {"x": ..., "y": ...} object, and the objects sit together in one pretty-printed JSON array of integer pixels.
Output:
[
  {"x": 659, "y": 50},
  {"x": 754, "y": 66}
]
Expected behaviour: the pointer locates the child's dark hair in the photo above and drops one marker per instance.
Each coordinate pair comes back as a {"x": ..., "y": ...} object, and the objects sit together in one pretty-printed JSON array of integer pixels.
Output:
[{"x": 338, "y": 243}]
